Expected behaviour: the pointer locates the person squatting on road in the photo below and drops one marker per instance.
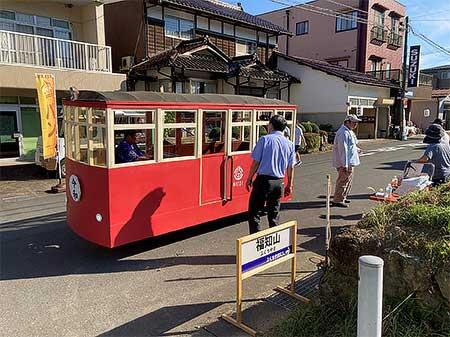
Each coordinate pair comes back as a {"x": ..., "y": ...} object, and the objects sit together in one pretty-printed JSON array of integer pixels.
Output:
[
  {"x": 345, "y": 158},
  {"x": 273, "y": 157},
  {"x": 438, "y": 153}
]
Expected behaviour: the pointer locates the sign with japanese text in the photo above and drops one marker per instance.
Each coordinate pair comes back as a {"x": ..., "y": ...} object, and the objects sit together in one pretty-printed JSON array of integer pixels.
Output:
[
  {"x": 45, "y": 84},
  {"x": 413, "y": 69},
  {"x": 266, "y": 248}
]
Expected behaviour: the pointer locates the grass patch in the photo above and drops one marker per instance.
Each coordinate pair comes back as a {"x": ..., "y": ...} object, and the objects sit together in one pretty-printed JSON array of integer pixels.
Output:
[{"x": 334, "y": 320}]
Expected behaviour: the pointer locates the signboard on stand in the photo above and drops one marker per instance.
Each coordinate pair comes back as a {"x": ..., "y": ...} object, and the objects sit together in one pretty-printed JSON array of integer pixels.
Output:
[{"x": 258, "y": 252}]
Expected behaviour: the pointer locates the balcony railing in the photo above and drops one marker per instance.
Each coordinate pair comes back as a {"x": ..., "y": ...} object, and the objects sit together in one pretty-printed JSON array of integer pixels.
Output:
[
  {"x": 378, "y": 35},
  {"x": 392, "y": 75},
  {"x": 35, "y": 50},
  {"x": 394, "y": 40}
]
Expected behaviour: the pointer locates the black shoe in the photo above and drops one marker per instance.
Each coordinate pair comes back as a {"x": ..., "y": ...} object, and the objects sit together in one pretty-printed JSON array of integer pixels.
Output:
[
  {"x": 339, "y": 204},
  {"x": 347, "y": 201}
]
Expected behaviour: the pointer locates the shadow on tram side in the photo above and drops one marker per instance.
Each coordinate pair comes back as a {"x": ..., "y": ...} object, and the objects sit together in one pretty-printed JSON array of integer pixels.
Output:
[{"x": 45, "y": 246}]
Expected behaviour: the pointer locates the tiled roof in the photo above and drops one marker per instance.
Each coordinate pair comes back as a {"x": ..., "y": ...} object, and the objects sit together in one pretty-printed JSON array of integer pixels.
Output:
[
  {"x": 201, "y": 63},
  {"x": 227, "y": 11},
  {"x": 245, "y": 66},
  {"x": 440, "y": 93},
  {"x": 341, "y": 72}
]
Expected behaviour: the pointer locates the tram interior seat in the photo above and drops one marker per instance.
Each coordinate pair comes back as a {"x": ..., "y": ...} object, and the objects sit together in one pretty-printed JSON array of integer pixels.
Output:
[
  {"x": 238, "y": 145},
  {"x": 213, "y": 147}
]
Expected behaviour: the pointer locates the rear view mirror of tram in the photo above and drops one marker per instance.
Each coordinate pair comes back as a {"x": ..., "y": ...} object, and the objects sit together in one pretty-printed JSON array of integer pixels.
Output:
[{"x": 142, "y": 164}]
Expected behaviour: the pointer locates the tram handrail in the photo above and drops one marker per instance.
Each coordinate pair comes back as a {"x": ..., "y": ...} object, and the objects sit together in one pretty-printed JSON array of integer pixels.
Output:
[{"x": 225, "y": 179}]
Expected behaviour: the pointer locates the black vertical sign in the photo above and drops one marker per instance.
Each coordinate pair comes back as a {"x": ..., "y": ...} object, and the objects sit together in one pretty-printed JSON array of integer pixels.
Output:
[{"x": 413, "y": 69}]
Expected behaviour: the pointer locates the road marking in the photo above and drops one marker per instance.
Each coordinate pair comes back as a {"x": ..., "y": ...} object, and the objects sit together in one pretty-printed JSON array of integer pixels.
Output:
[{"x": 390, "y": 149}]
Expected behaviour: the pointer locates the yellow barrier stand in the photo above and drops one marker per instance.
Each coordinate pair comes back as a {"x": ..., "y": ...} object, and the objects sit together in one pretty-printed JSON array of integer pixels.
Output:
[{"x": 258, "y": 252}]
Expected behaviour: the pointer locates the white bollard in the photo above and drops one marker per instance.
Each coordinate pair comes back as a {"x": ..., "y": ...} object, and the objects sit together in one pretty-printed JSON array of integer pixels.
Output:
[{"x": 370, "y": 296}]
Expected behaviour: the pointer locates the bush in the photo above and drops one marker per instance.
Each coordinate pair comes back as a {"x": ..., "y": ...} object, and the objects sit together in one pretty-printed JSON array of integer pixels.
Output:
[
  {"x": 312, "y": 141},
  {"x": 326, "y": 127},
  {"x": 314, "y": 127},
  {"x": 307, "y": 127}
]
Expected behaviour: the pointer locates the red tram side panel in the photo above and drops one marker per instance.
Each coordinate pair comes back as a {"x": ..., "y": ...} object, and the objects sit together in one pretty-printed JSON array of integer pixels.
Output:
[{"x": 118, "y": 204}]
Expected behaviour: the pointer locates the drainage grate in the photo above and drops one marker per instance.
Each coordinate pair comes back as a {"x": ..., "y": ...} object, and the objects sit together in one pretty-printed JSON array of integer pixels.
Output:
[{"x": 306, "y": 286}]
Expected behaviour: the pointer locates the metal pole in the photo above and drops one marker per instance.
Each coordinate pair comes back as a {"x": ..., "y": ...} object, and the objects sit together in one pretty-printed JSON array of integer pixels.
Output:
[
  {"x": 404, "y": 75},
  {"x": 328, "y": 226},
  {"x": 370, "y": 296}
]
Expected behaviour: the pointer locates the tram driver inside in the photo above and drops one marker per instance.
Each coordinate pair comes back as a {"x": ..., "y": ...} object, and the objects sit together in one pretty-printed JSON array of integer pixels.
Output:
[{"x": 127, "y": 151}]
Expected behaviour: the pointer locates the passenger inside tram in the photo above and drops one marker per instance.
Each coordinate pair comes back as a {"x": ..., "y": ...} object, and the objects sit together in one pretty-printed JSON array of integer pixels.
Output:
[{"x": 127, "y": 150}]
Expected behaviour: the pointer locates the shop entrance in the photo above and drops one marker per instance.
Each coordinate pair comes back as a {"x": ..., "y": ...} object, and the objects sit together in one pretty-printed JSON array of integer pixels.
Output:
[{"x": 9, "y": 145}]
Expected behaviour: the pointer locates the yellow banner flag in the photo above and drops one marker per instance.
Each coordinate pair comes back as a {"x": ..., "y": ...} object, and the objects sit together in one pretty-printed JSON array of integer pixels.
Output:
[{"x": 47, "y": 106}]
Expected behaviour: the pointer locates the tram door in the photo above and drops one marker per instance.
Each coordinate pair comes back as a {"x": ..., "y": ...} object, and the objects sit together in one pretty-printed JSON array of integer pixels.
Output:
[{"x": 213, "y": 156}]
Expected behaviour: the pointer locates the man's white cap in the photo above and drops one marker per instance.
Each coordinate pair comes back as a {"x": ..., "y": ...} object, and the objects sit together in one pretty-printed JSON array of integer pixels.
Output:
[{"x": 352, "y": 118}]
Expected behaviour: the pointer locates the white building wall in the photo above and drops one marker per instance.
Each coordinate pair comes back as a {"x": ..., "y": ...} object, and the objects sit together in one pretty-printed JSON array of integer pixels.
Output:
[{"x": 368, "y": 91}]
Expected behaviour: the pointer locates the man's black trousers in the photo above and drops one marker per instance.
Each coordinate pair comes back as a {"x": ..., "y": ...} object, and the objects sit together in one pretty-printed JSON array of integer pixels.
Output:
[{"x": 266, "y": 191}]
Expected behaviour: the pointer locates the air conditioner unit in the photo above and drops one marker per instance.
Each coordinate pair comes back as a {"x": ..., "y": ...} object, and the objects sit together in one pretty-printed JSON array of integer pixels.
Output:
[{"x": 127, "y": 63}]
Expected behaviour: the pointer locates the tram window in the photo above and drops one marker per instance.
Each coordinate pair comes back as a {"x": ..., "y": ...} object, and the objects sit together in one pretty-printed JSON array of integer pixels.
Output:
[
  {"x": 179, "y": 117},
  {"x": 262, "y": 130},
  {"x": 241, "y": 116},
  {"x": 179, "y": 142},
  {"x": 144, "y": 141},
  {"x": 286, "y": 114},
  {"x": 213, "y": 129},
  {"x": 82, "y": 114},
  {"x": 264, "y": 115},
  {"x": 241, "y": 138},
  {"x": 133, "y": 117},
  {"x": 98, "y": 116},
  {"x": 69, "y": 112},
  {"x": 98, "y": 146},
  {"x": 81, "y": 146}
]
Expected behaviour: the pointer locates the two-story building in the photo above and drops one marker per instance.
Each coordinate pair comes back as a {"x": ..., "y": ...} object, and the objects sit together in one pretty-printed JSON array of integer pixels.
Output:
[
  {"x": 439, "y": 94},
  {"x": 194, "y": 46},
  {"x": 364, "y": 35},
  {"x": 63, "y": 38}
]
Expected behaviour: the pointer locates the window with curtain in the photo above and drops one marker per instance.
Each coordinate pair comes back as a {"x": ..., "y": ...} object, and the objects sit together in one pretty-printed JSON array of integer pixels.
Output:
[
  {"x": 346, "y": 21},
  {"x": 179, "y": 28}
]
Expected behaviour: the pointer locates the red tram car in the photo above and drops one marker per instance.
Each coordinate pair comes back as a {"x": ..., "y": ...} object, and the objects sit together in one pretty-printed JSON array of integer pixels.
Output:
[{"x": 198, "y": 149}]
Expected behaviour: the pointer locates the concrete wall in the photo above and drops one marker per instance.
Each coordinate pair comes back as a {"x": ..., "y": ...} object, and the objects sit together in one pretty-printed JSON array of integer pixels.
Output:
[
  {"x": 417, "y": 112},
  {"x": 23, "y": 77},
  {"x": 87, "y": 21},
  {"x": 121, "y": 15},
  {"x": 322, "y": 41},
  {"x": 319, "y": 97}
]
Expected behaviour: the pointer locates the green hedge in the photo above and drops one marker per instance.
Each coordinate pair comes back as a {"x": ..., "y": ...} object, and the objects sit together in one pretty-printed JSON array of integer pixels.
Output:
[
  {"x": 312, "y": 142},
  {"x": 306, "y": 127}
]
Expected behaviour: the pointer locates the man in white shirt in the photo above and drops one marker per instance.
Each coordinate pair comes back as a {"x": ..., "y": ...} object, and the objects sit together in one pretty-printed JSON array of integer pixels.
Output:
[
  {"x": 345, "y": 158},
  {"x": 299, "y": 139}
]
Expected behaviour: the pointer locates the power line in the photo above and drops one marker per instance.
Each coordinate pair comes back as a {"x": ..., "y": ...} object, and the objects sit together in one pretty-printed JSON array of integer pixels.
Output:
[
  {"x": 301, "y": 6},
  {"x": 429, "y": 41},
  {"x": 347, "y": 6},
  {"x": 334, "y": 14}
]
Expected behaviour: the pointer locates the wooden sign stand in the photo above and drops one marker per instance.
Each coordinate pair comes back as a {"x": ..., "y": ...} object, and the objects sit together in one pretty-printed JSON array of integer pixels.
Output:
[{"x": 240, "y": 276}]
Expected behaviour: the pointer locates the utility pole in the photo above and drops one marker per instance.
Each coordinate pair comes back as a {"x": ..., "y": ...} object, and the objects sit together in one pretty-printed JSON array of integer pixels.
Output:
[{"x": 404, "y": 81}]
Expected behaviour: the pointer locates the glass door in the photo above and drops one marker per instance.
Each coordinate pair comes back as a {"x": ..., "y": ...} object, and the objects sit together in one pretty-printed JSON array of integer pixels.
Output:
[
  {"x": 9, "y": 145},
  {"x": 213, "y": 156}
]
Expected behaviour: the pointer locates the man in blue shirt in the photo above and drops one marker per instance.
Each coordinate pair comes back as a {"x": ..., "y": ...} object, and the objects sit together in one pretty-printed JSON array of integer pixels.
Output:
[
  {"x": 273, "y": 156},
  {"x": 127, "y": 151}
]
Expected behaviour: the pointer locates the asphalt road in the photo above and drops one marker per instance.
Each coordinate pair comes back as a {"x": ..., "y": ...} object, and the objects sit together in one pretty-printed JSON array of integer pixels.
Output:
[{"x": 55, "y": 284}]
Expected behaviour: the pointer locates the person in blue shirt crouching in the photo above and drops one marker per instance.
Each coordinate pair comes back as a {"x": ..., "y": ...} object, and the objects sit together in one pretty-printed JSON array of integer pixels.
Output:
[{"x": 273, "y": 157}]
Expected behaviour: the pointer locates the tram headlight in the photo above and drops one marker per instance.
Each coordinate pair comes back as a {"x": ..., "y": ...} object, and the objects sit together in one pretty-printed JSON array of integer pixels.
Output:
[{"x": 98, "y": 217}]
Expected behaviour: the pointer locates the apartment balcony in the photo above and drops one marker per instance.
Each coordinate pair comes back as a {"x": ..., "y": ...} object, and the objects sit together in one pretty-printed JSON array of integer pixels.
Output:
[
  {"x": 393, "y": 75},
  {"x": 378, "y": 35},
  {"x": 394, "y": 41},
  {"x": 40, "y": 51}
]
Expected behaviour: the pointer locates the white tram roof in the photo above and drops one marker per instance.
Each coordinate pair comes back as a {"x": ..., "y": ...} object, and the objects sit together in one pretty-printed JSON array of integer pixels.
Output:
[{"x": 148, "y": 96}]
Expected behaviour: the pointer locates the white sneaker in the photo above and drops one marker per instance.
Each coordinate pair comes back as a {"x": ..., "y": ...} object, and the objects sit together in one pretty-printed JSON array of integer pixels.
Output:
[{"x": 298, "y": 163}]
